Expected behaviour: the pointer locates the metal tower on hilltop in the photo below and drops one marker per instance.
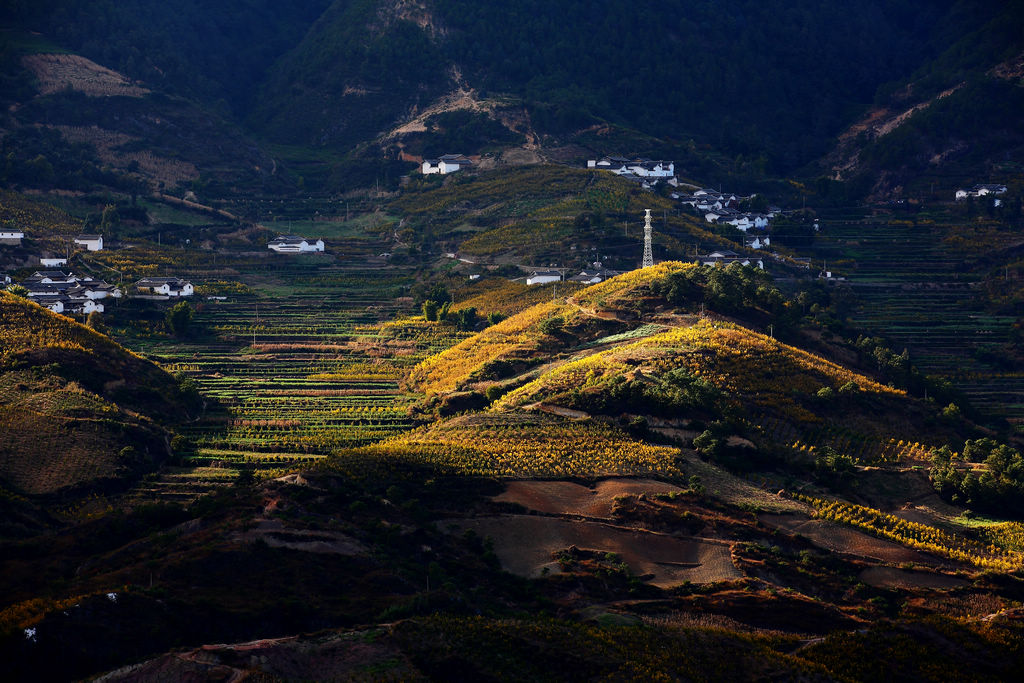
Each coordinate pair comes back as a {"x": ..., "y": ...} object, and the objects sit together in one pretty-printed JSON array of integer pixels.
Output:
[{"x": 648, "y": 254}]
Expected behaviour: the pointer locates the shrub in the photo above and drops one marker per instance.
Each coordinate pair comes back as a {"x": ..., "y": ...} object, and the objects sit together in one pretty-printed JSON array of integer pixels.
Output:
[
  {"x": 179, "y": 318},
  {"x": 552, "y": 325},
  {"x": 430, "y": 310}
]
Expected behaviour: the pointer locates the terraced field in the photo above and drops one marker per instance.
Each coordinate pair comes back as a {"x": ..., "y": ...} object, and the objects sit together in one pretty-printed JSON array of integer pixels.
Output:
[
  {"x": 916, "y": 287},
  {"x": 295, "y": 367}
]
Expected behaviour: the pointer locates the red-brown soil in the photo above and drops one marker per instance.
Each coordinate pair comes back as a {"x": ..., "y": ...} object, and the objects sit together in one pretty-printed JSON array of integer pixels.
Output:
[
  {"x": 525, "y": 544},
  {"x": 568, "y": 498},
  {"x": 843, "y": 540},
  {"x": 891, "y": 577}
]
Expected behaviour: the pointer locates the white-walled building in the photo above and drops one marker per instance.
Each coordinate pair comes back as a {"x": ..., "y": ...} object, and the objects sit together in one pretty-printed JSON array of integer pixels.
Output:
[
  {"x": 591, "y": 276},
  {"x": 980, "y": 191},
  {"x": 94, "y": 291},
  {"x": 643, "y": 168},
  {"x": 293, "y": 244},
  {"x": 11, "y": 238},
  {"x": 541, "y": 277},
  {"x": 53, "y": 262},
  {"x": 90, "y": 242},
  {"x": 448, "y": 163},
  {"x": 55, "y": 304},
  {"x": 82, "y": 306},
  {"x": 49, "y": 277},
  {"x": 725, "y": 257},
  {"x": 165, "y": 286}
]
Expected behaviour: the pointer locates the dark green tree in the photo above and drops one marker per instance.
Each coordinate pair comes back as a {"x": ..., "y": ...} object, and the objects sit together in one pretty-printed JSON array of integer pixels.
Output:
[
  {"x": 179, "y": 318},
  {"x": 430, "y": 309}
]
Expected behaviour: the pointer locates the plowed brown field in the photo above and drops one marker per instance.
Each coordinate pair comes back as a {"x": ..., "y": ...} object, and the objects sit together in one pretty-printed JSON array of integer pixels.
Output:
[{"x": 526, "y": 544}]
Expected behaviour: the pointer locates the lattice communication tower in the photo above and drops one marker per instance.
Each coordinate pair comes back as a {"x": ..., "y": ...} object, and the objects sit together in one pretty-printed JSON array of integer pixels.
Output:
[{"x": 648, "y": 253}]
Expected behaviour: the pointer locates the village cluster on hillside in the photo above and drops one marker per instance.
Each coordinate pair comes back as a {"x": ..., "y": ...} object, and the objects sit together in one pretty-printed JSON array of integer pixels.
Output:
[
  {"x": 72, "y": 294},
  {"x": 714, "y": 205}
]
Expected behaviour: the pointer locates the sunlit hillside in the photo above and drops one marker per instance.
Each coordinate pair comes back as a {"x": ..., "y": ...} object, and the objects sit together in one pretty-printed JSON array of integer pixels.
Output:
[{"x": 78, "y": 409}]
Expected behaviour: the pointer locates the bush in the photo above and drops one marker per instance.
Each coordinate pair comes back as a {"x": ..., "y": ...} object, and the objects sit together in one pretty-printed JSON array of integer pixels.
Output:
[
  {"x": 431, "y": 309},
  {"x": 552, "y": 325},
  {"x": 95, "y": 321},
  {"x": 179, "y": 318}
]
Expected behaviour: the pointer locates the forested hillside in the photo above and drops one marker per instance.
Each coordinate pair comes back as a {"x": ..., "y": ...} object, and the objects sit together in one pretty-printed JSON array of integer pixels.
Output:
[
  {"x": 956, "y": 116},
  {"x": 770, "y": 82},
  {"x": 216, "y": 52}
]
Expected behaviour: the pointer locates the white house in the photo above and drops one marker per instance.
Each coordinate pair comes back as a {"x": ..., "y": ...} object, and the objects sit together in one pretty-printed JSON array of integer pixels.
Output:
[
  {"x": 90, "y": 242},
  {"x": 448, "y": 163},
  {"x": 293, "y": 244},
  {"x": 653, "y": 169},
  {"x": 591, "y": 276},
  {"x": 742, "y": 221},
  {"x": 11, "y": 238},
  {"x": 48, "y": 277},
  {"x": 980, "y": 191},
  {"x": 82, "y": 306},
  {"x": 55, "y": 304},
  {"x": 760, "y": 242},
  {"x": 93, "y": 291},
  {"x": 167, "y": 286},
  {"x": 541, "y": 277},
  {"x": 5, "y": 279},
  {"x": 643, "y": 168},
  {"x": 53, "y": 262},
  {"x": 726, "y": 257},
  {"x": 618, "y": 165}
]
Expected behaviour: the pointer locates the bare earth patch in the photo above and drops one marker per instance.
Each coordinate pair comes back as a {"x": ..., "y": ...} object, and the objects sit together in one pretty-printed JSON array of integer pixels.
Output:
[
  {"x": 57, "y": 72},
  {"x": 735, "y": 490},
  {"x": 568, "y": 498},
  {"x": 525, "y": 545},
  {"x": 891, "y": 577},
  {"x": 276, "y": 535},
  {"x": 843, "y": 540}
]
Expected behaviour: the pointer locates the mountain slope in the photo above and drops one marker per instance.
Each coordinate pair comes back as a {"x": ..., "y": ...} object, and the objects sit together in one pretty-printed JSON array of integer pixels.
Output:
[
  {"x": 953, "y": 121},
  {"x": 212, "y": 53},
  {"x": 77, "y": 409},
  {"x": 768, "y": 85},
  {"x": 638, "y": 351},
  {"x": 715, "y": 73}
]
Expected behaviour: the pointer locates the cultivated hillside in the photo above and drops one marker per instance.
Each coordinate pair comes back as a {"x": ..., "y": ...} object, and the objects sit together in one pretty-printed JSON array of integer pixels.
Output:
[
  {"x": 73, "y": 123},
  {"x": 78, "y": 409},
  {"x": 545, "y": 213},
  {"x": 671, "y": 349}
]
